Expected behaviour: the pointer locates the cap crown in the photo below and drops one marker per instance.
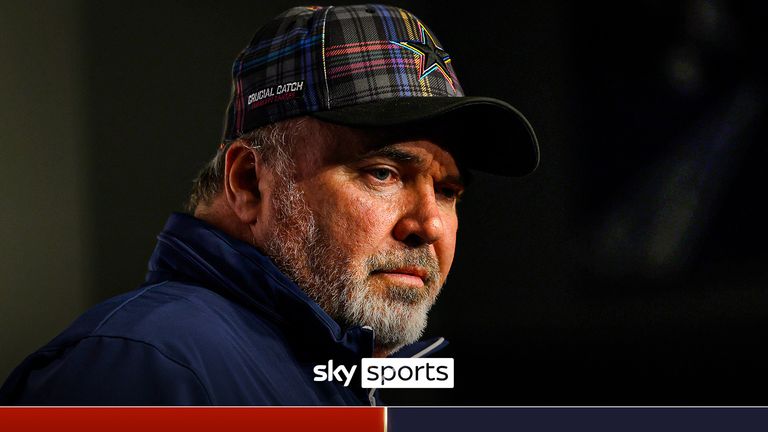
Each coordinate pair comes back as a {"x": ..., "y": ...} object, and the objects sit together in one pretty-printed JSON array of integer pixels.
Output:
[{"x": 311, "y": 59}]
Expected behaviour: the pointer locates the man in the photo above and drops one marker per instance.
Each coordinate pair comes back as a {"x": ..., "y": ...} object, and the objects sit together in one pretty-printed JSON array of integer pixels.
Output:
[{"x": 323, "y": 229}]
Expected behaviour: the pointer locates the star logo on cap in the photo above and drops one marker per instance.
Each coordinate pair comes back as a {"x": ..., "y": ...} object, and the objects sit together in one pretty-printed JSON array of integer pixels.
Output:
[{"x": 431, "y": 57}]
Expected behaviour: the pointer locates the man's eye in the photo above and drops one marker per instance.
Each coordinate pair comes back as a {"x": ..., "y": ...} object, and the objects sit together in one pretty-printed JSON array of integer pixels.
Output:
[
  {"x": 449, "y": 193},
  {"x": 381, "y": 174}
]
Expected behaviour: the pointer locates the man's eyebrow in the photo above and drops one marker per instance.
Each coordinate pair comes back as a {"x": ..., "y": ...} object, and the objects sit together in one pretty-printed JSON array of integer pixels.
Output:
[
  {"x": 455, "y": 179},
  {"x": 399, "y": 155},
  {"x": 392, "y": 152}
]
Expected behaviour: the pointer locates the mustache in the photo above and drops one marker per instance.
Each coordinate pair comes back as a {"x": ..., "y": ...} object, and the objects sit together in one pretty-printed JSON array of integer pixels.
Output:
[{"x": 397, "y": 259}]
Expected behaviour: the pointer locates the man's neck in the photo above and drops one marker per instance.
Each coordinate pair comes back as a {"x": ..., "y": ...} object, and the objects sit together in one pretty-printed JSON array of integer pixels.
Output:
[
  {"x": 221, "y": 216},
  {"x": 383, "y": 352}
]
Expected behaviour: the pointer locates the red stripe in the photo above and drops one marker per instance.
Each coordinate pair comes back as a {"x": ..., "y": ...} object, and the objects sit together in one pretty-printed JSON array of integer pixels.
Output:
[
  {"x": 193, "y": 419},
  {"x": 338, "y": 50},
  {"x": 368, "y": 66},
  {"x": 354, "y": 44}
]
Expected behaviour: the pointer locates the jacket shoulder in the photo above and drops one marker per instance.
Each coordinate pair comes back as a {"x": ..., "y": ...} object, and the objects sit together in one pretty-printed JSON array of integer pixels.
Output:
[
  {"x": 185, "y": 322},
  {"x": 103, "y": 370},
  {"x": 169, "y": 343}
]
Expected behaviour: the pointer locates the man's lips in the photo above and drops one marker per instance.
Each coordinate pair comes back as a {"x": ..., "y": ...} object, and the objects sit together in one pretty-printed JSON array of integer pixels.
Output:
[{"x": 411, "y": 274}]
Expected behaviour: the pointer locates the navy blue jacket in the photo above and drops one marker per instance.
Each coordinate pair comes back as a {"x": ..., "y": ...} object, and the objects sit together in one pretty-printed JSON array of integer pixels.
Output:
[{"x": 215, "y": 323}]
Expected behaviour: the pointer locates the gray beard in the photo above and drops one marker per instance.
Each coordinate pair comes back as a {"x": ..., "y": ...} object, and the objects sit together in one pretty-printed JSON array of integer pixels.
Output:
[{"x": 303, "y": 250}]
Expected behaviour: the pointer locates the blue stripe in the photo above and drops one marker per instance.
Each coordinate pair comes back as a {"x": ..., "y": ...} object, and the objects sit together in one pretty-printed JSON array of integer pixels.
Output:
[
  {"x": 281, "y": 52},
  {"x": 310, "y": 95},
  {"x": 389, "y": 28},
  {"x": 277, "y": 39}
]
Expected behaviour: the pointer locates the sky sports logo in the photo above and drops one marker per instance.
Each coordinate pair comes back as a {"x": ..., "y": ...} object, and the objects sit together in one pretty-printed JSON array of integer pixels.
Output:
[{"x": 391, "y": 373}]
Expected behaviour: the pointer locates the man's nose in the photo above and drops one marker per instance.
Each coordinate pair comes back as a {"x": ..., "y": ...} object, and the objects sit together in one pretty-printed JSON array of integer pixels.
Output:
[{"x": 422, "y": 222}]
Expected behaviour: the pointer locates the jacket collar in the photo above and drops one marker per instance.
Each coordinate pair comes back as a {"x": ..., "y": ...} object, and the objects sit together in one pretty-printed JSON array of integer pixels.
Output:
[{"x": 191, "y": 250}]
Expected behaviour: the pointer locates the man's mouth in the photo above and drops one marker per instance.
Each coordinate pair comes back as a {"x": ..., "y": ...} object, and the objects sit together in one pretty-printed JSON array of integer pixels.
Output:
[{"x": 410, "y": 275}]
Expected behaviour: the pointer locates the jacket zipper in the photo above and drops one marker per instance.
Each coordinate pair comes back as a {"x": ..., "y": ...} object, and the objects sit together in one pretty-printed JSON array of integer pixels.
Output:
[{"x": 419, "y": 354}]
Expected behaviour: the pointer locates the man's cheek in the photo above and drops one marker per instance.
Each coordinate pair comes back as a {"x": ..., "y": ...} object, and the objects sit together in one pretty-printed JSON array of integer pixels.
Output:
[
  {"x": 366, "y": 217},
  {"x": 445, "y": 250}
]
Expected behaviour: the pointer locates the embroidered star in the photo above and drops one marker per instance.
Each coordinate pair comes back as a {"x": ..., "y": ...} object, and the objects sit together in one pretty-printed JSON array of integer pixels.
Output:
[{"x": 431, "y": 57}]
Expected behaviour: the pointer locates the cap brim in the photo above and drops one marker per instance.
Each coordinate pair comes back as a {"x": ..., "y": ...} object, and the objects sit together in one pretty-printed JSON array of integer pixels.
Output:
[{"x": 486, "y": 134}]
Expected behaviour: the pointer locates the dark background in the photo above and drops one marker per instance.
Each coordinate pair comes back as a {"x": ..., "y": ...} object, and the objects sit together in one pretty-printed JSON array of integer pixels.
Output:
[{"x": 628, "y": 270}]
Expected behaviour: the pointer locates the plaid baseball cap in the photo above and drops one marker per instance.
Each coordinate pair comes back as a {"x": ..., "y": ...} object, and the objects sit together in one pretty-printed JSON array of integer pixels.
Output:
[{"x": 371, "y": 65}]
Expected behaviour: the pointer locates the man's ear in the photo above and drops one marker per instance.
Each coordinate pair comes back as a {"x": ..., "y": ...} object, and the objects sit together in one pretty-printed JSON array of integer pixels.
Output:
[{"x": 242, "y": 176}]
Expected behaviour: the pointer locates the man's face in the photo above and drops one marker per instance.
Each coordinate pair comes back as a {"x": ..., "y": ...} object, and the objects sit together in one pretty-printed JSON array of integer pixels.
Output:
[{"x": 366, "y": 225}]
